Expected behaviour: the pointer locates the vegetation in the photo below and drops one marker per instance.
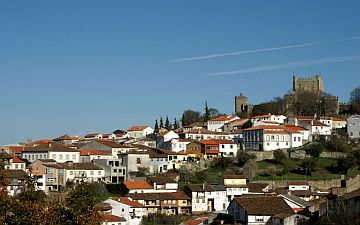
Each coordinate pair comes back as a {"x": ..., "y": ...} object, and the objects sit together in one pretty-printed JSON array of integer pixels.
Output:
[
  {"x": 243, "y": 157},
  {"x": 160, "y": 219},
  {"x": 314, "y": 150},
  {"x": 279, "y": 157},
  {"x": 295, "y": 169}
]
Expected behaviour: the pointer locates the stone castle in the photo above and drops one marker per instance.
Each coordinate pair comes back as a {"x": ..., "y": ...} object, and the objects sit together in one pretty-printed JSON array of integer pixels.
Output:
[{"x": 313, "y": 85}]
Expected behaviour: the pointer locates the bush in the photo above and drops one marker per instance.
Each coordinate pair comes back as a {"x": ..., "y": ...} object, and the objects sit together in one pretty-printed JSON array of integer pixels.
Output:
[
  {"x": 279, "y": 157},
  {"x": 309, "y": 165},
  {"x": 221, "y": 162},
  {"x": 344, "y": 164},
  {"x": 315, "y": 150},
  {"x": 244, "y": 157}
]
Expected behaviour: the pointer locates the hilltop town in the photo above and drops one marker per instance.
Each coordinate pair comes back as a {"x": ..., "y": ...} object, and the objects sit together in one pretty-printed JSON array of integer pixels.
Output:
[{"x": 291, "y": 161}]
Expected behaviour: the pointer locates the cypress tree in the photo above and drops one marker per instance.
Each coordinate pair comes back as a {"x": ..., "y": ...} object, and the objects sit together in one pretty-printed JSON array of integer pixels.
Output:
[
  {"x": 161, "y": 123},
  {"x": 207, "y": 113},
  {"x": 156, "y": 125},
  {"x": 167, "y": 123}
]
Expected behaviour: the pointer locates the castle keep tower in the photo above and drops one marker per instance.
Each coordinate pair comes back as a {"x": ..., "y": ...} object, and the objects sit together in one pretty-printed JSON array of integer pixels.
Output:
[
  {"x": 242, "y": 107},
  {"x": 311, "y": 84}
]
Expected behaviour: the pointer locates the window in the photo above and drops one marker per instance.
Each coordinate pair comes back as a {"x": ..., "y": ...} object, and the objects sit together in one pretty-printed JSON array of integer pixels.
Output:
[
  {"x": 91, "y": 172},
  {"x": 67, "y": 157},
  {"x": 71, "y": 172},
  {"x": 222, "y": 146},
  {"x": 138, "y": 161},
  {"x": 116, "y": 163},
  {"x": 294, "y": 138},
  {"x": 115, "y": 170},
  {"x": 99, "y": 172},
  {"x": 74, "y": 157},
  {"x": 299, "y": 138}
]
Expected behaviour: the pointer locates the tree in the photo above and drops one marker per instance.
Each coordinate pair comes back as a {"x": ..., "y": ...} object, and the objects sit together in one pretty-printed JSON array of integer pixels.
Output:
[
  {"x": 309, "y": 165},
  {"x": 344, "y": 164},
  {"x": 190, "y": 116},
  {"x": 243, "y": 157},
  {"x": 176, "y": 124},
  {"x": 355, "y": 95},
  {"x": 279, "y": 156},
  {"x": 156, "y": 127},
  {"x": 247, "y": 124},
  {"x": 167, "y": 123},
  {"x": 250, "y": 169},
  {"x": 207, "y": 112},
  {"x": 314, "y": 150},
  {"x": 81, "y": 205},
  {"x": 221, "y": 162},
  {"x": 342, "y": 213},
  {"x": 355, "y": 100},
  {"x": 161, "y": 123}
]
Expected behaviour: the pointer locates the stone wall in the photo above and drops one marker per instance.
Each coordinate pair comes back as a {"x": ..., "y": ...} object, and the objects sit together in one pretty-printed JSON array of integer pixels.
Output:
[
  {"x": 300, "y": 154},
  {"x": 315, "y": 185},
  {"x": 261, "y": 155}
]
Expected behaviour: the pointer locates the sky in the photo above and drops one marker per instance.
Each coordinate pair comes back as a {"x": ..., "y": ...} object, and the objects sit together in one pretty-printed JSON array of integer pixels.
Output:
[{"x": 87, "y": 66}]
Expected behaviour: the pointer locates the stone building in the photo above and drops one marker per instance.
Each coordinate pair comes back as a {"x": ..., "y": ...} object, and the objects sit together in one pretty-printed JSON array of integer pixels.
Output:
[
  {"x": 242, "y": 107},
  {"x": 312, "y": 84}
]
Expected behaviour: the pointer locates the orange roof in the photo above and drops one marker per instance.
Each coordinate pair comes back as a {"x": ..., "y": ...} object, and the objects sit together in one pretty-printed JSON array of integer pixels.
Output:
[
  {"x": 137, "y": 128},
  {"x": 17, "y": 149},
  {"x": 169, "y": 152},
  {"x": 196, "y": 221},
  {"x": 294, "y": 128},
  {"x": 337, "y": 119},
  {"x": 315, "y": 123},
  {"x": 127, "y": 201},
  {"x": 212, "y": 151},
  {"x": 85, "y": 152},
  {"x": 208, "y": 142},
  {"x": 113, "y": 218},
  {"x": 42, "y": 141},
  {"x": 263, "y": 116},
  {"x": 16, "y": 159},
  {"x": 35, "y": 173},
  {"x": 263, "y": 127},
  {"x": 223, "y": 118},
  {"x": 131, "y": 185}
]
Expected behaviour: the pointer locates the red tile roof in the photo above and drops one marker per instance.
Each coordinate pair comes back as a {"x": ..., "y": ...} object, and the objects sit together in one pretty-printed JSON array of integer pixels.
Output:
[
  {"x": 263, "y": 205},
  {"x": 196, "y": 221},
  {"x": 16, "y": 159},
  {"x": 224, "y": 118},
  {"x": 128, "y": 202},
  {"x": 113, "y": 218},
  {"x": 16, "y": 149},
  {"x": 63, "y": 138},
  {"x": 85, "y": 152},
  {"x": 132, "y": 185},
  {"x": 110, "y": 144},
  {"x": 211, "y": 151},
  {"x": 137, "y": 128}
]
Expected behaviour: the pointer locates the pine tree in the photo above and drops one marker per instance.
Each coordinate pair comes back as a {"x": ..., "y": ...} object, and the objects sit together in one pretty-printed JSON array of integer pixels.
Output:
[
  {"x": 161, "y": 123},
  {"x": 167, "y": 123},
  {"x": 207, "y": 113},
  {"x": 175, "y": 124},
  {"x": 156, "y": 125}
]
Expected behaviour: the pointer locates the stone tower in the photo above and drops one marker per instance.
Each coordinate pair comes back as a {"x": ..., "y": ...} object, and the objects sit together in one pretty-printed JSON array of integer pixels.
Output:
[
  {"x": 242, "y": 107},
  {"x": 312, "y": 84}
]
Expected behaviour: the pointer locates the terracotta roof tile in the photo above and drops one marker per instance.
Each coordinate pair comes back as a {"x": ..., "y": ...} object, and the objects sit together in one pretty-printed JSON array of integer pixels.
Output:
[
  {"x": 224, "y": 118},
  {"x": 113, "y": 218},
  {"x": 133, "y": 185},
  {"x": 264, "y": 205},
  {"x": 137, "y": 128},
  {"x": 127, "y": 201},
  {"x": 85, "y": 152},
  {"x": 16, "y": 159}
]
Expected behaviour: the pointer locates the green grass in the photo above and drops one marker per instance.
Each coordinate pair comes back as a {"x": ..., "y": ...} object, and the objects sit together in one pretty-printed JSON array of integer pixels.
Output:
[{"x": 323, "y": 171}]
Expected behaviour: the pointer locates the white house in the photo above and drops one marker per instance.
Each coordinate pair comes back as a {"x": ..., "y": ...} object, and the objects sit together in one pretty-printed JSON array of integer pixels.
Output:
[
  {"x": 139, "y": 132},
  {"x": 88, "y": 172},
  {"x": 114, "y": 220},
  {"x": 217, "y": 124},
  {"x": 62, "y": 155},
  {"x": 88, "y": 155},
  {"x": 268, "y": 138},
  {"x": 208, "y": 134},
  {"x": 298, "y": 186},
  {"x": 132, "y": 211},
  {"x": 227, "y": 148},
  {"x": 176, "y": 144},
  {"x": 261, "y": 210},
  {"x": 207, "y": 198},
  {"x": 17, "y": 163},
  {"x": 163, "y": 137},
  {"x": 269, "y": 117}
]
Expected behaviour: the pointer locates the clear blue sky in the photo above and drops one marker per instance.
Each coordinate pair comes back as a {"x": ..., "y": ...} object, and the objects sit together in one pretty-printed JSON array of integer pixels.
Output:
[{"x": 95, "y": 66}]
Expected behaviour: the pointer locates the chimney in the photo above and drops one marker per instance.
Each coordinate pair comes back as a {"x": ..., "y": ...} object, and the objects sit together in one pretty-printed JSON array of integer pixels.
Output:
[{"x": 296, "y": 122}]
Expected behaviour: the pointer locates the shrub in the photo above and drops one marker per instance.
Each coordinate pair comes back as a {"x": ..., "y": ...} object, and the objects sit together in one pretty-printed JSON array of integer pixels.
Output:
[
  {"x": 279, "y": 156},
  {"x": 244, "y": 157}
]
